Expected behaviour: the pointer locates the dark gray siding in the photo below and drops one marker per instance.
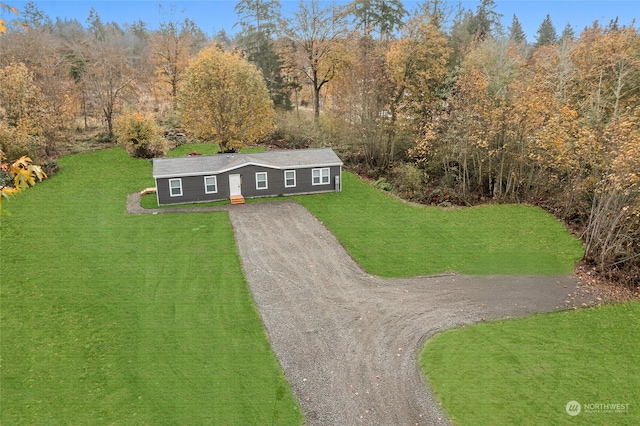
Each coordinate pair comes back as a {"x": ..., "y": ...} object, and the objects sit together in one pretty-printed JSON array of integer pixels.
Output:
[
  {"x": 193, "y": 186},
  {"x": 275, "y": 182},
  {"x": 192, "y": 190}
]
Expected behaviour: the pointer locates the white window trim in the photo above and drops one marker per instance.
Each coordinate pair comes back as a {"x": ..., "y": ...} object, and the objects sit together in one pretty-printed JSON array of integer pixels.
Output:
[
  {"x": 285, "y": 178},
  {"x": 320, "y": 172},
  {"x": 266, "y": 181},
  {"x": 215, "y": 180},
  {"x": 171, "y": 194}
]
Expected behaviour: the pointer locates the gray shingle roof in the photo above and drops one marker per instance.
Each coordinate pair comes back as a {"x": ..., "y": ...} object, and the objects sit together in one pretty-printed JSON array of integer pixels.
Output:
[{"x": 219, "y": 163}]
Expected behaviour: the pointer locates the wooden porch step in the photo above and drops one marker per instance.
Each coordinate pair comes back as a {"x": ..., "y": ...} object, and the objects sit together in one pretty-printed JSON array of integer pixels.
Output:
[{"x": 237, "y": 199}]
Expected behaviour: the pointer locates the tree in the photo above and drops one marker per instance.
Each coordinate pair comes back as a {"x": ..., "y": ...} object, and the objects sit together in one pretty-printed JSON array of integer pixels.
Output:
[
  {"x": 568, "y": 34},
  {"x": 34, "y": 17},
  {"x": 317, "y": 34},
  {"x": 460, "y": 37},
  {"x": 607, "y": 73},
  {"x": 258, "y": 20},
  {"x": 224, "y": 99},
  {"x": 437, "y": 11},
  {"x": 258, "y": 16},
  {"x": 417, "y": 67},
  {"x": 546, "y": 33},
  {"x": 516, "y": 33},
  {"x": 38, "y": 47},
  {"x": 486, "y": 20},
  {"x": 171, "y": 49},
  {"x": 360, "y": 95},
  {"x": 612, "y": 231},
  {"x": 381, "y": 16},
  {"x": 25, "y": 114},
  {"x": 111, "y": 67}
]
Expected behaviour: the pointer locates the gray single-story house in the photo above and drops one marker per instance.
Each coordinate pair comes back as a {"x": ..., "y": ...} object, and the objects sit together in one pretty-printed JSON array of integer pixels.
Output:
[{"x": 216, "y": 177}]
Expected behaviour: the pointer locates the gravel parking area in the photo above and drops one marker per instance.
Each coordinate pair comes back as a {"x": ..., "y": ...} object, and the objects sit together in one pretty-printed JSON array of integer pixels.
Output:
[{"x": 349, "y": 342}]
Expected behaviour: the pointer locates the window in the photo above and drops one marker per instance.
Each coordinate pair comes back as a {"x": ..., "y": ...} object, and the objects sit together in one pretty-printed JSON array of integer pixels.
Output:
[
  {"x": 289, "y": 178},
  {"x": 261, "y": 180},
  {"x": 210, "y": 184},
  {"x": 320, "y": 176},
  {"x": 175, "y": 187}
]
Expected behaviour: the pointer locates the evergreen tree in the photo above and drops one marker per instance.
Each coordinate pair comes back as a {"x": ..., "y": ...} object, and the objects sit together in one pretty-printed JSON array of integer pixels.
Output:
[
  {"x": 258, "y": 22},
  {"x": 568, "y": 34},
  {"x": 33, "y": 17},
  {"x": 613, "y": 25},
  {"x": 486, "y": 21},
  {"x": 460, "y": 36},
  {"x": 381, "y": 16},
  {"x": 516, "y": 33},
  {"x": 436, "y": 11},
  {"x": 258, "y": 16},
  {"x": 546, "y": 33}
]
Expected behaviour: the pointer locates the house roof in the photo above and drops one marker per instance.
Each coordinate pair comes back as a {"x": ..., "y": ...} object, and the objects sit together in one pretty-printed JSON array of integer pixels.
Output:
[{"x": 220, "y": 163}]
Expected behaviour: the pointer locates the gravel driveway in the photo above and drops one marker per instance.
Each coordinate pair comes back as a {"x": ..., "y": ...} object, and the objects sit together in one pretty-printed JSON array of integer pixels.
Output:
[{"x": 349, "y": 342}]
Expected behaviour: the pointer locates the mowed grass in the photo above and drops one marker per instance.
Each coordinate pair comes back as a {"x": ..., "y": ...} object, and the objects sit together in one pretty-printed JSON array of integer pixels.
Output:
[
  {"x": 390, "y": 238},
  {"x": 524, "y": 372},
  {"x": 109, "y": 318}
]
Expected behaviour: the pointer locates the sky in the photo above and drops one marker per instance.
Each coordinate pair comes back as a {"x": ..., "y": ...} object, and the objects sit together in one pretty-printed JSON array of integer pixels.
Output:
[{"x": 215, "y": 15}]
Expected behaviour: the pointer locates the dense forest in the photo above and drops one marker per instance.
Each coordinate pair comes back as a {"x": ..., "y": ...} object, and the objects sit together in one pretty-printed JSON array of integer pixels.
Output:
[{"x": 440, "y": 105}]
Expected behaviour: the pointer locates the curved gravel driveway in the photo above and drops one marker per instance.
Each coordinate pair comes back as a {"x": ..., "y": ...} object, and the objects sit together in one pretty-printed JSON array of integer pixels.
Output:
[{"x": 349, "y": 342}]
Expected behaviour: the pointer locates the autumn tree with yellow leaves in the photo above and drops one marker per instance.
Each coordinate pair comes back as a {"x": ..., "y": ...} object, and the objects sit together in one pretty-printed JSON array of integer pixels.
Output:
[
  {"x": 560, "y": 128},
  {"x": 225, "y": 100}
]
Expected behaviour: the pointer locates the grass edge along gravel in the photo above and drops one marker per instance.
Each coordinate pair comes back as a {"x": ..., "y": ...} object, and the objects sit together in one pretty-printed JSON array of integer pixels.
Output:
[
  {"x": 526, "y": 371},
  {"x": 121, "y": 319},
  {"x": 390, "y": 238}
]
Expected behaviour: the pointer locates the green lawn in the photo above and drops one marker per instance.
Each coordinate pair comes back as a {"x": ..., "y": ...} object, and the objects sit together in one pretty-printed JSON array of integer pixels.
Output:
[
  {"x": 108, "y": 318},
  {"x": 524, "y": 372},
  {"x": 112, "y": 318},
  {"x": 390, "y": 238}
]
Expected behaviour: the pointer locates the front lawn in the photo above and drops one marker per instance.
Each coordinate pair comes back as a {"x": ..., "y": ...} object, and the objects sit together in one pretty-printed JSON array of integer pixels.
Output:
[
  {"x": 109, "y": 318},
  {"x": 526, "y": 371}
]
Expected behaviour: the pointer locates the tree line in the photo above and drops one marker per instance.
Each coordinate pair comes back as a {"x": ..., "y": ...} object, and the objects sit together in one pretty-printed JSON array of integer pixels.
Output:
[{"x": 440, "y": 104}]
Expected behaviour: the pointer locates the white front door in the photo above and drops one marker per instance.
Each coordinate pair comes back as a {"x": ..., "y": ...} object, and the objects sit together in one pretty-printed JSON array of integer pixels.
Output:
[{"x": 235, "y": 185}]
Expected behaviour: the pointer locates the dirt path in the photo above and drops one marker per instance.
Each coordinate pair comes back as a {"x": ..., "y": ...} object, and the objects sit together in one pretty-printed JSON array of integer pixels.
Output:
[{"x": 349, "y": 342}]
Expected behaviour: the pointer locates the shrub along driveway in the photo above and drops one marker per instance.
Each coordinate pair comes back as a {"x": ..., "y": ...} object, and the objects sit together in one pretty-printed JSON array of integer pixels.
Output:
[{"x": 349, "y": 342}]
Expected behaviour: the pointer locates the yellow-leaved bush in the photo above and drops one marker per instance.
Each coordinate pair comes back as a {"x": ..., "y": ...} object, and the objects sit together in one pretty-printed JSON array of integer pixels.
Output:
[
  {"x": 22, "y": 174},
  {"x": 140, "y": 135}
]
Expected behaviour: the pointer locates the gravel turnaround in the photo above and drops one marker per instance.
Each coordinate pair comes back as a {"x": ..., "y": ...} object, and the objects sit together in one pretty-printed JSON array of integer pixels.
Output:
[{"x": 349, "y": 342}]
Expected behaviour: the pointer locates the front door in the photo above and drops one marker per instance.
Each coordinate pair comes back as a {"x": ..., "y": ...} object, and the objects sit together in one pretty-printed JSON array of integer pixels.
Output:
[{"x": 235, "y": 185}]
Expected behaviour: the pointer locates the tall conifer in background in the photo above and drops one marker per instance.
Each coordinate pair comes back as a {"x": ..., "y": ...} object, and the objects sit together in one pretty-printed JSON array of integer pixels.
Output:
[{"x": 546, "y": 33}]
